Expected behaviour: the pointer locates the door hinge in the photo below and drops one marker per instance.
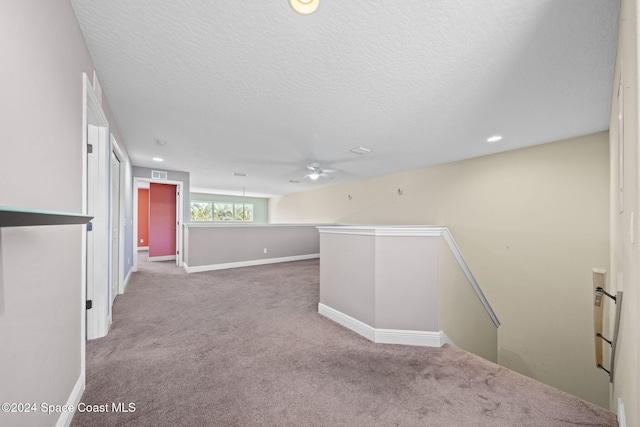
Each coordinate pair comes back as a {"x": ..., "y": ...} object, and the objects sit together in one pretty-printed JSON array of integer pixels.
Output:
[
  {"x": 89, "y": 304},
  {"x": 89, "y": 148},
  {"x": 89, "y": 226}
]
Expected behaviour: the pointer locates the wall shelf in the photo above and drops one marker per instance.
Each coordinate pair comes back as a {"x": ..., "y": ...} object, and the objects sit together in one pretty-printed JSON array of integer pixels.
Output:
[{"x": 21, "y": 217}]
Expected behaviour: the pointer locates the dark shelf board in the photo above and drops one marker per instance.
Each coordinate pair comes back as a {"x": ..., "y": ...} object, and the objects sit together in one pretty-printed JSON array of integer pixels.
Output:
[{"x": 19, "y": 217}]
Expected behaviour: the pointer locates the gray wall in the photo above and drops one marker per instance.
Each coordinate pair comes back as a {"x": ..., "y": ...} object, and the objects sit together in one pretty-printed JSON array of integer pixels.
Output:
[
  {"x": 44, "y": 56},
  {"x": 210, "y": 244}
]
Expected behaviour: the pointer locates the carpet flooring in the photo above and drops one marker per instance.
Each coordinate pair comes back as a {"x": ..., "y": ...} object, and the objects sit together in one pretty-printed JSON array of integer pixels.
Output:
[{"x": 246, "y": 347}]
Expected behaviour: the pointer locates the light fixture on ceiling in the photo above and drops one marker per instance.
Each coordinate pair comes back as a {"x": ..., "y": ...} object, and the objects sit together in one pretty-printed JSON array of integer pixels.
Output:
[
  {"x": 314, "y": 175},
  {"x": 239, "y": 174},
  {"x": 293, "y": 181},
  {"x": 494, "y": 138},
  {"x": 361, "y": 150},
  {"x": 304, "y": 7},
  {"x": 157, "y": 159},
  {"x": 161, "y": 142}
]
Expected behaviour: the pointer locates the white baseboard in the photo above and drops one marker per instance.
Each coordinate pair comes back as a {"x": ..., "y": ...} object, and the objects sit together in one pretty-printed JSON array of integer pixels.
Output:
[
  {"x": 348, "y": 322},
  {"x": 143, "y": 248},
  {"x": 447, "y": 340},
  {"x": 126, "y": 280},
  {"x": 163, "y": 258},
  {"x": 622, "y": 419},
  {"x": 223, "y": 266},
  {"x": 64, "y": 420},
  {"x": 383, "y": 336}
]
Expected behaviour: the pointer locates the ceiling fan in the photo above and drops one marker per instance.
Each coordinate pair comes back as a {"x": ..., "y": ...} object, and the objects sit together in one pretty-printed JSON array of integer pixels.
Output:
[{"x": 316, "y": 172}]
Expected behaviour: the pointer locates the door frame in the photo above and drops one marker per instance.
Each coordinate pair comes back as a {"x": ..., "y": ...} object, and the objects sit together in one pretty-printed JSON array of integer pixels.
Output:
[
  {"x": 179, "y": 217},
  {"x": 120, "y": 154},
  {"x": 95, "y": 202}
]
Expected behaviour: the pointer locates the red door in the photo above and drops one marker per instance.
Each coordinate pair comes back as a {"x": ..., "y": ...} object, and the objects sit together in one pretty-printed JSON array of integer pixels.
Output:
[{"x": 162, "y": 221}]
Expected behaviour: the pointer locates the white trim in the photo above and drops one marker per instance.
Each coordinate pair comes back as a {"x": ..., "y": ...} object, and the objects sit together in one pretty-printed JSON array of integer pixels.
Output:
[
  {"x": 417, "y": 231},
  {"x": 142, "y": 248},
  {"x": 448, "y": 237},
  {"x": 399, "y": 336},
  {"x": 348, "y": 322},
  {"x": 124, "y": 163},
  {"x": 226, "y": 224},
  {"x": 126, "y": 280},
  {"x": 447, "y": 340},
  {"x": 387, "y": 230},
  {"x": 223, "y": 266},
  {"x": 383, "y": 336},
  {"x": 163, "y": 258},
  {"x": 64, "y": 420},
  {"x": 83, "y": 243},
  {"x": 622, "y": 418}
]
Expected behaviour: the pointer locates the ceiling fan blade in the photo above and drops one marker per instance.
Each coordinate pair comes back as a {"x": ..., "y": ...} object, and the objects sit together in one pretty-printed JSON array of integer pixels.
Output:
[
  {"x": 313, "y": 166},
  {"x": 326, "y": 175}
]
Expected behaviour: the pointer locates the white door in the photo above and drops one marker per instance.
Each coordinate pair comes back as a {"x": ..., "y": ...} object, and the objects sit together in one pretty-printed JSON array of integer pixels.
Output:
[
  {"x": 93, "y": 138},
  {"x": 98, "y": 316},
  {"x": 115, "y": 228},
  {"x": 95, "y": 310}
]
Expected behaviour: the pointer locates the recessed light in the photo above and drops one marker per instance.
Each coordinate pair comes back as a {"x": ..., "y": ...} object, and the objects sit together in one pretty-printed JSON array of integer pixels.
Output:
[
  {"x": 160, "y": 142},
  {"x": 239, "y": 174},
  {"x": 304, "y": 7},
  {"x": 157, "y": 159},
  {"x": 494, "y": 138},
  {"x": 361, "y": 150}
]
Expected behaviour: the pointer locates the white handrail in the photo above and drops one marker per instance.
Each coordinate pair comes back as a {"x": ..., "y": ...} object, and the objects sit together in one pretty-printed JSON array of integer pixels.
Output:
[{"x": 448, "y": 237}]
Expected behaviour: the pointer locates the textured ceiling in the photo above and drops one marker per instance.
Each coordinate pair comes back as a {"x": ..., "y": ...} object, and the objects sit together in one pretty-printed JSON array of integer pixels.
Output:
[{"x": 252, "y": 87}]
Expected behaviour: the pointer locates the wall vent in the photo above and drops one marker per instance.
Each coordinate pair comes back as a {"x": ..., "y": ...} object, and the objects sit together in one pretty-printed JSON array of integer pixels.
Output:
[{"x": 158, "y": 175}]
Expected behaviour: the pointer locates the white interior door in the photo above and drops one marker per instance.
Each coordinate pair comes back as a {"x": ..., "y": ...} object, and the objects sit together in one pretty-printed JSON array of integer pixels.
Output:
[
  {"x": 98, "y": 272},
  {"x": 92, "y": 138}
]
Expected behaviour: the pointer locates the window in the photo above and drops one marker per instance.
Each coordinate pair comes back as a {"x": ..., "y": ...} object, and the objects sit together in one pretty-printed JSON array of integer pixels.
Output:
[
  {"x": 201, "y": 211},
  {"x": 243, "y": 212},
  {"x": 221, "y": 211}
]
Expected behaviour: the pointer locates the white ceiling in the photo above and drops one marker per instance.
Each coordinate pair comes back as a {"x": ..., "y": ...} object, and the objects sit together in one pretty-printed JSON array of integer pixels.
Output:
[{"x": 253, "y": 87}]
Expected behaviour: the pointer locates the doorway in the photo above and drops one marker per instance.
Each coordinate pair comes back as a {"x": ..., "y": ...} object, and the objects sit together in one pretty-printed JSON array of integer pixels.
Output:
[
  {"x": 165, "y": 214},
  {"x": 162, "y": 221}
]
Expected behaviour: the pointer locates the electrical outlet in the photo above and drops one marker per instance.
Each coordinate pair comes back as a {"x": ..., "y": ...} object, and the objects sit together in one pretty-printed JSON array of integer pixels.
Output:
[{"x": 265, "y": 250}]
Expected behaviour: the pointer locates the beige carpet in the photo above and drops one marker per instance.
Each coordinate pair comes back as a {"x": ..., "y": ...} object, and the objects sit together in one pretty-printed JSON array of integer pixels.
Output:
[{"x": 246, "y": 347}]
